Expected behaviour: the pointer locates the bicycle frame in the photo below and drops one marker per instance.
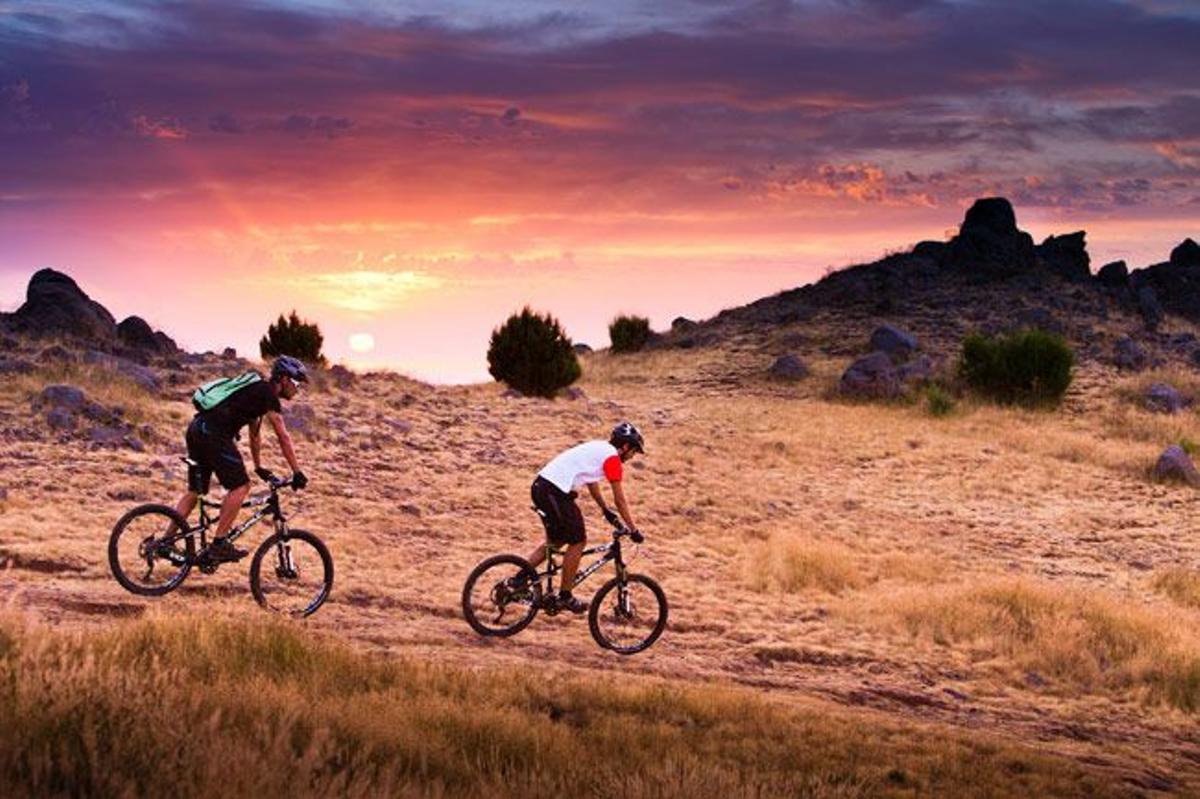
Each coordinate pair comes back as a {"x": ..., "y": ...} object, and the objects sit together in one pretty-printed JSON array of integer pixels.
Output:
[
  {"x": 267, "y": 504},
  {"x": 611, "y": 554}
]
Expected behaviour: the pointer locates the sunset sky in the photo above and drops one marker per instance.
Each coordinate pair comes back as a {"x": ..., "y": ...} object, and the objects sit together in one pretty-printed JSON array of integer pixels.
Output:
[{"x": 409, "y": 173}]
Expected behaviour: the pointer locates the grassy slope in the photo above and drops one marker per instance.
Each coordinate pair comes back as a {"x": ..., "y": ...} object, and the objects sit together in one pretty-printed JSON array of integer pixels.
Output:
[{"x": 195, "y": 707}]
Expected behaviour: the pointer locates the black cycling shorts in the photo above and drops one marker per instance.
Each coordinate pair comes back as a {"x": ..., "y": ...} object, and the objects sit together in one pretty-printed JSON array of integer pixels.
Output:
[
  {"x": 562, "y": 517},
  {"x": 216, "y": 453}
]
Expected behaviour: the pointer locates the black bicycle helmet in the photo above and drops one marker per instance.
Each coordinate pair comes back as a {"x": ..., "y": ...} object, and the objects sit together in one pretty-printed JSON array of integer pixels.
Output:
[
  {"x": 626, "y": 433},
  {"x": 286, "y": 365}
]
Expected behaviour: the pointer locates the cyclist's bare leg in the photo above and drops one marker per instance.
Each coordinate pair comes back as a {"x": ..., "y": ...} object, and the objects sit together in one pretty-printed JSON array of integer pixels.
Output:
[
  {"x": 183, "y": 508},
  {"x": 229, "y": 509},
  {"x": 571, "y": 560},
  {"x": 537, "y": 556}
]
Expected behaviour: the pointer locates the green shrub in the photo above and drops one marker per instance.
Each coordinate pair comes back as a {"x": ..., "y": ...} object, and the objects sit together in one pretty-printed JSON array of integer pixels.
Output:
[
  {"x": 938, "y": 400},
  {"x": 1028, "y": 367},
  {"x": 629, "y": 333},
  {"x": 295, "y": 337},
  {"x": 531, "y": 353}
]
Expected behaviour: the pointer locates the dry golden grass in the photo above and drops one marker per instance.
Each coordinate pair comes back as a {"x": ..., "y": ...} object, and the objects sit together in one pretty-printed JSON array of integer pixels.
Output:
[
  {"x": 99, "y": 383},
  {"x": 1181, "y": 585},
  {"x": 785, "y": 563},
  {"x": 1076, "y": 641},
  {"x": 193, "y": 707}
]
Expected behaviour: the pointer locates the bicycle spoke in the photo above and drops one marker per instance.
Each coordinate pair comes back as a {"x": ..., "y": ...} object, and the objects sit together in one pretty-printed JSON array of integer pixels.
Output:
[
  {"x": 150, "y": 553},
  {"x": 292, "y": 577}
]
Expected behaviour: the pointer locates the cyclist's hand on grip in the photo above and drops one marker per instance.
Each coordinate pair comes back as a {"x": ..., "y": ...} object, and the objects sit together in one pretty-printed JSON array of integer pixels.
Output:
[
  {"x": 636, "y": 536},
  {"x": 612, "y": 518},
  {"x": 299, "y": 481},
  {"x": 264, "y": 474}
]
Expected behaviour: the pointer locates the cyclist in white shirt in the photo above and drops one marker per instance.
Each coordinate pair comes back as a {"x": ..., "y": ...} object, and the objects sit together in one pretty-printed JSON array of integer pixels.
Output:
[{"x": 556, "y": 487}]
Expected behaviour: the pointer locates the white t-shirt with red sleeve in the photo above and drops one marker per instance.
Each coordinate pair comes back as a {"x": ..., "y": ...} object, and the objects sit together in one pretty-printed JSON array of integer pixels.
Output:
[{"x": 584, "y": 464}]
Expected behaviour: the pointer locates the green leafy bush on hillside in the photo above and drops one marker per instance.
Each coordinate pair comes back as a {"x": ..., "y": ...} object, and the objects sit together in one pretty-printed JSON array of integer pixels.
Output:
[
  {"x": 531, "y": 353},
  {"x": 629, "y": 333},
  {"x": 293, "y": 336},
  {"x": 1028, "y": 367}
]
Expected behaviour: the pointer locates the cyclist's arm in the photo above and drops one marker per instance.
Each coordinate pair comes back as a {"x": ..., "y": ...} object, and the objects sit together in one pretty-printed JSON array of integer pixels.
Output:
[
  {"x": 256, "y": 442},
  {"x": 622, "y": 506},
  {"x": 285, "y": 439},
  {"x": 594, "y": 490}
]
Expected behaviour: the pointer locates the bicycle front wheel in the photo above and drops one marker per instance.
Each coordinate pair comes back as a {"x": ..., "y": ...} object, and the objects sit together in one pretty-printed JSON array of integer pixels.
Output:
[
  {"x": 501, "y": 596},
  {"x": 292, "y": 573},
  {"x": 147, "y": 551},
  {"x": 628, "y": 616}
]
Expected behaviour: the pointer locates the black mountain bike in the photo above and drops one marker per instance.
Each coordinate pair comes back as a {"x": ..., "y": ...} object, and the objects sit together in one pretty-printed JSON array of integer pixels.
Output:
[
  {"x": 152, "y": 550},
  {"x": 504, "y": 593}
]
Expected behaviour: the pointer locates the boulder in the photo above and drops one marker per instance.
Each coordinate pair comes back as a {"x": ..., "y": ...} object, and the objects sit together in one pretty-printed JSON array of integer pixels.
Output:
[
  {"x": 574, "y": 393},
  {"x": 1149, "y": 307},
  {"x": 873, "y": 376},
  {"x": 1175, "y": 465},
  {"x": 898, "y": 344},
  {"x": 55, "y": 305},
  {"x": 300, "y": 418},
  {"x": 1186, "y": 254},
  {"x": 1164, "y": 398},
  {"x": 788, "y": 367},
  {"x": 1066, "y": 256},
  {"x": 145, "y": 377},
  {"x": 56, "y": 354},
  {"x": 342, "y": 377},
  {"x": 15, "y": 366},
  {"x": 916, "y": 371},
  {"x": 135, "y": 333},
  {"x": 1129, "y": 355},
  {"x": 1039, "y": 319},
  {"x": 1114, "y": 275},
  {"x": 60, "y": 419},
  {"x": 681, "y": 323},
  {"x": 582, "y": 349},
  {"x": 934, "y": 251},
  {"x": 70, "y": 398},
  {"x": 989, "y": 245},
  {"x": 229, "y": 353}
]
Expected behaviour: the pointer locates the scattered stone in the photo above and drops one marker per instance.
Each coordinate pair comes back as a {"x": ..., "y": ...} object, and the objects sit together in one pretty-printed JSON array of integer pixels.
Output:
[
  {"x": 60, "y": 419},
  {"x": 916, "y": 371},
  {"x": 899, "y": 344},
  {"x": 399, "y": 425},
  {"x": 300, "y": 418},
  {"x": 3, "y": 494},
  {"x": 70, "y": 398},
  {"x": 16, "y": 366},
  {"x": 342, "y": 377},
  {"x": 411, "y": 510},
  {"x": 582, "y": 349},
  {"x": 1039, "y": 319},
  {"x": 229, "y": 354},
  {"x": 789, "y": 367},
  {"x": 1113, "y": 275},
  {"x": 145, "y": 377},
  {"x": 1175, "y": 465},
  {"x": 681, "y": 324},
  {"x": 1129, "y": 355},
  {"x": 1149, "y": 307},
  {"x": 873, "y": 376},
  {"x": 56, "y": 354},
  {"x": 1035, "y": 680},
  {"x": 1165, "y": 398},
  {"x": 512, "y": 393},
  {"x": 573, "y": 393}
]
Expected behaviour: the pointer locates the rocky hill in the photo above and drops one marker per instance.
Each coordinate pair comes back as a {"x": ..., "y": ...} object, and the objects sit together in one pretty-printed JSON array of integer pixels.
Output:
[{"x": 990, "y": 277}]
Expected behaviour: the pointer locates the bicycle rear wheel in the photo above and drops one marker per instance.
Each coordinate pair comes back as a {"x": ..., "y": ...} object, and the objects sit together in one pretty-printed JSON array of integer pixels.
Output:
[
  {"x": 627, "y": 617},
  {"x": 292, "y": 573},
  {"x": 146, "y": 552},
  {"x": 501, "y": 596}
]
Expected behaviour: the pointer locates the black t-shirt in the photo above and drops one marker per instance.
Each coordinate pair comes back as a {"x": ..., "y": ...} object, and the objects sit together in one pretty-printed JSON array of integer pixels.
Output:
[{"x": 241, "y": 408}]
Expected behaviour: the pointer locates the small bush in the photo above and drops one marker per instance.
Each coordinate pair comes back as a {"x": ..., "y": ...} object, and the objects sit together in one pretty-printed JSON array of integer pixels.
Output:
[
  {"x": 629, "y": 333},
  {"x": 1029, "y": 367},
  {"x": 295, "y": 337},
  {"x": 531, "y": 353},
  {"x": 938, "y": 400}
]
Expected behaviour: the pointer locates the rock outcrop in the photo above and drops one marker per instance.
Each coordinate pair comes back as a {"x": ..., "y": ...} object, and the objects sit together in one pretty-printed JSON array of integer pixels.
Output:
[{"x": 55, "y": 305}]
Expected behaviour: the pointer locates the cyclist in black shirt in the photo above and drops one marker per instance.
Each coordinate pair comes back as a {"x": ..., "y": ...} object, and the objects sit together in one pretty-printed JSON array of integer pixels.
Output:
[{"x": 210, "y": 443}]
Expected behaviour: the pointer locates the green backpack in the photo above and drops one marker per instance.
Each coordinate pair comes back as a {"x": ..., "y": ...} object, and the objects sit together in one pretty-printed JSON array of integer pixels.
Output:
[{"x": 214, "y": 392}]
